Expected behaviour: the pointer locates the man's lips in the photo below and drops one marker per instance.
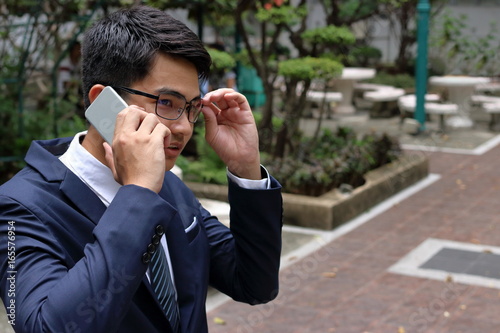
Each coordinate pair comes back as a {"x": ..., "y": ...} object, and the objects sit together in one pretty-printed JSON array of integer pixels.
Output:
[{"x": 174, "y": 148}]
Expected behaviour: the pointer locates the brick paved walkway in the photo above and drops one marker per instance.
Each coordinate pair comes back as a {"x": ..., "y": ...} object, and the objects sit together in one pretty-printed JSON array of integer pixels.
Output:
[{"x": 346, "y": 287}]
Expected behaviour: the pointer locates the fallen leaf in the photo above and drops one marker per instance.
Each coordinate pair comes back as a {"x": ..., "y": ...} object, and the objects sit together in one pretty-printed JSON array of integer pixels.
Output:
[
  {"x": 219, "y": 321},
  {"x": 449, "y": 278},
  {"x": 329, "y": 274},
  {"x": 463, "y": 307},
  {"x": 401, "y": 329},
  {"x": 446, "y": 314}
]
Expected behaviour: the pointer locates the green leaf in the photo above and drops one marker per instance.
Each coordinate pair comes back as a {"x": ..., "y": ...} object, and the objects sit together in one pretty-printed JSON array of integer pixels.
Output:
[
  {"x": 221, "y": 60},
  {"x": 284, "y": 14},
  {"x": 308, "y": 68},
  {"x": 329, "y": 35}
]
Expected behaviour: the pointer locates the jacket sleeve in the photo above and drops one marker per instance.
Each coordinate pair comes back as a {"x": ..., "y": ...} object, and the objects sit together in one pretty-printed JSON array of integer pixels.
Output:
[
  {"x": 245, "y": 261},
  {"x": 49, "y": 295}
]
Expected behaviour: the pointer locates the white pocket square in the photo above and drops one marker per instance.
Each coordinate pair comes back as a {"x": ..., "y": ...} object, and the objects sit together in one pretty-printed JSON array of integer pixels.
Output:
[{"x": 193, "y": 224}]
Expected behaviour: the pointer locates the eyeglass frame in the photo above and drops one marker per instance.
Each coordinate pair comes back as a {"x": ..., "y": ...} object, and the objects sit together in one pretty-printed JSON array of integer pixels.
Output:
[{"x": 157, "y": 98}]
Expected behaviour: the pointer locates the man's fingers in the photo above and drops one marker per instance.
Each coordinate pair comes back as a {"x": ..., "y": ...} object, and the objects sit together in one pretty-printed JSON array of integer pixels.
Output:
[
  {"x": 163, "y": 132},
  {"x": 210, "y": 111},
  {"x": 221, "y": 97},
  {"x": 130, "y": 118},
  {"x": 149, "y": 123},
  {"x": 108, "y": 155},
  {"x": 210, "y": 116},
  {"x": 228, "y": 99}
]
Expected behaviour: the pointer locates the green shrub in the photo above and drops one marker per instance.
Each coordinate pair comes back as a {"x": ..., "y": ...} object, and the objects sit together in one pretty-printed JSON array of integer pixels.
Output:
[
  {"x": 19, "y": 129},
  {"x": 221, "y": 60},
  {"x": 206, "y": 167},
  {"x": 330, "y": 35},
  {"x": 277, "y": 122},
  {"x": 333, "y": 160},
  {"x": 404, "y": 81},
  {"x": 308, "y": 68},
  {"x": 365, "y": 56}
]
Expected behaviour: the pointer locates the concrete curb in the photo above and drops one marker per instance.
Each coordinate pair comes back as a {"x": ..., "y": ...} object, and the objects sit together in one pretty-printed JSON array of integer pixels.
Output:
[{"x": 335, "y": 208}]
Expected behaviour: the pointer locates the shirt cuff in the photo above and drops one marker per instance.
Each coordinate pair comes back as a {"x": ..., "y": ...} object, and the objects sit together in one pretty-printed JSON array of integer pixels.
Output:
[{"x": 249, "y": 184}]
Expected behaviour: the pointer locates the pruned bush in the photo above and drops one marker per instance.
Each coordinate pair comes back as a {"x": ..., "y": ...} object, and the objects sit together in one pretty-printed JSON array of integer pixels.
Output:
[{"x": 332, "y": 160}]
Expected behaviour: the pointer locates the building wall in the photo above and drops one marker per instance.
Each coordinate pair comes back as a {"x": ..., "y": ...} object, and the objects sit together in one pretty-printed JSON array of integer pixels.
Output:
[{"x": 480, "y": 15}]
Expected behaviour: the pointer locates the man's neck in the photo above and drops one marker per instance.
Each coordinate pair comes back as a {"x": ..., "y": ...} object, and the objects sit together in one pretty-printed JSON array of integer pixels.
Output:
[{"x": 93, "y": 143}]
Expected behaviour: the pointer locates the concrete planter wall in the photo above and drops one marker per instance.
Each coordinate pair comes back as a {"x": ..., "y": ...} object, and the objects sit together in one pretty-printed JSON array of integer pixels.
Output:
[{"x": 334, "y": 208}]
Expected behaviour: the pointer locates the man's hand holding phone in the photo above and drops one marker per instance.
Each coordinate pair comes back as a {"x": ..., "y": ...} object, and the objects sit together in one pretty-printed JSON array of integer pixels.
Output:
[
  {"x": 137, "y": 155},
  {"x": 137, "y": 137}
]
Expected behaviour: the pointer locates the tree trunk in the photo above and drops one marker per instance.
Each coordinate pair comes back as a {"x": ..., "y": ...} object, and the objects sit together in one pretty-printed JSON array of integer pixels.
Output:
[{"x": 265, "y": 126}]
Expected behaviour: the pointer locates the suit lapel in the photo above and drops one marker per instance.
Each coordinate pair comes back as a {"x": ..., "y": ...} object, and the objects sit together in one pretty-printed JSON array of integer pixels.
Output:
[
  {"x": 82, "y": 196},
  {"x": 182, "y": 266},
  {"x": 43, "y": 156}
]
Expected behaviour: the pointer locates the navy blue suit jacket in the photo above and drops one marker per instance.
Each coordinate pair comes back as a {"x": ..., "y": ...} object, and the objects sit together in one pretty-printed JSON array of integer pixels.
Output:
[{"x": 78, "y": 266}]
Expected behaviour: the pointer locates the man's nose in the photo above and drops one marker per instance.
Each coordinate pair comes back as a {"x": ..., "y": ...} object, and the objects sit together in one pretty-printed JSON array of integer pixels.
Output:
[{"x": 182, "y": 124}]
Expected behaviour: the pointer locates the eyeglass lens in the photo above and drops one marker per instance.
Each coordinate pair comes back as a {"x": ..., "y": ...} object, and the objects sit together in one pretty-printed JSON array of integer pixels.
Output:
[{"x": 170, "y": 106}]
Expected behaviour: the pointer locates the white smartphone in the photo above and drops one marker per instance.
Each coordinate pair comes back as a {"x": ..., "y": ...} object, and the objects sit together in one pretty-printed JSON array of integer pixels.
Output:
[{"x": 102, "y": 112}]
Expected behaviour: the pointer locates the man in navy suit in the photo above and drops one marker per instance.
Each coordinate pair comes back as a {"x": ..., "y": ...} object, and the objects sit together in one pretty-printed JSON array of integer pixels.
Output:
[{"x": 81, "y": 223}]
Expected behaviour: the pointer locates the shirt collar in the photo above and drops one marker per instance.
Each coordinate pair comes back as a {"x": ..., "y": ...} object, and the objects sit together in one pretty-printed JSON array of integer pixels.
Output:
[{"x": 97, "y": 176}]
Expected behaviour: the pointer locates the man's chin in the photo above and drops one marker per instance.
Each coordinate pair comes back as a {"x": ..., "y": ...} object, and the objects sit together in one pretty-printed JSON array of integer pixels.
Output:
[{"x": 170, "y": 166}]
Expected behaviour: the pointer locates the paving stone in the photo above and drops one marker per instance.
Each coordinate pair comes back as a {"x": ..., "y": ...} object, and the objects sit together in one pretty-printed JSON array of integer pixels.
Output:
[{"x": 363, "y": 296}]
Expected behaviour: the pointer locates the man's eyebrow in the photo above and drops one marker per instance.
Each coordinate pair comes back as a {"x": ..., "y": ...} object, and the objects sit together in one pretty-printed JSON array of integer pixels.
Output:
[{"x": 166, "y": 90}]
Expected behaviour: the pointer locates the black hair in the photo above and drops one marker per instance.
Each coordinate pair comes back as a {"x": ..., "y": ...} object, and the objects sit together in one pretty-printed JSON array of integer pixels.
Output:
[{"x": 120, "y": 49}]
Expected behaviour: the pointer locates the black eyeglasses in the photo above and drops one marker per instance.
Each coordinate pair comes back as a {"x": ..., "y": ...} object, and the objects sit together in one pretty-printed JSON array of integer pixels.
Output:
[{"x": 170, "y": 105}]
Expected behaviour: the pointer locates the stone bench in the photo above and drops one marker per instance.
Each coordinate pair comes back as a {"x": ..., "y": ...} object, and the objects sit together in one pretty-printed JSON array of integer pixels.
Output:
[
  {"x": 365, "y": 87},
  {"x": 361, "y": 88},
  {"x": 314, "y": 96},
  {"x": 319, "y": 96},
  {"x": 481, "y": 99},
  {"x": 384, "y": 95},
  {"x": 494, "y": 110},
  {"x": 384, "y": 101},
  {"x": 490, "y": 105},
  {"x": 490, "y": 87},
  {"x": 441, "y": 110},
  {"x": 413, "y": 98},
  {"x": 409, "y": 103}
]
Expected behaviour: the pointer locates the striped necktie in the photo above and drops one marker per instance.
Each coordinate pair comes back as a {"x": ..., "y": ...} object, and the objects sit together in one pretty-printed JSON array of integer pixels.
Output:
[{"x": 164, "y": 287}]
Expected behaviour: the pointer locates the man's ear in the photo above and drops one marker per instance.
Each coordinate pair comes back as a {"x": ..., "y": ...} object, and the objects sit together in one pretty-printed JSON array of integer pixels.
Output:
[{"x": 95, "y": 91}]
